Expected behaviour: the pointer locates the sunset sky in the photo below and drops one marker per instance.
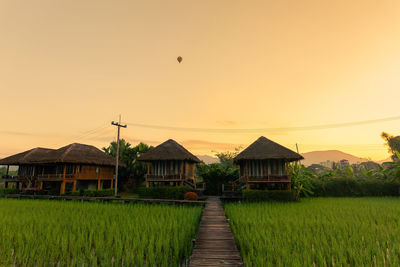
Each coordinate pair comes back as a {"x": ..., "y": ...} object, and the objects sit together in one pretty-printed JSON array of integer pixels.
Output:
[{"x": 68, "y": 68}]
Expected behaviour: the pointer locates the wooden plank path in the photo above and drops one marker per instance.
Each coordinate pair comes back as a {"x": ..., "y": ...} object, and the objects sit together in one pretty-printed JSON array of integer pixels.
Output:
[{"x": 215, "y": 245}]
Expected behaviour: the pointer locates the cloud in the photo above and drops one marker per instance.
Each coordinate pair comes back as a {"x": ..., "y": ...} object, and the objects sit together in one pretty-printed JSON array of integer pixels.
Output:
[
  {"x": 18, "y": 133},
  {"x": 203, "y": 145},
  {"x": 227, "y": 123}
]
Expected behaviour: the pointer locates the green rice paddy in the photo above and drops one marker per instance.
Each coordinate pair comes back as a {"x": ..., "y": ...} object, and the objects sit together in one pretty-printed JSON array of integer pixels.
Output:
[
  {"x": 318, "y": 232},
  {"x": 55, "y": 233}
]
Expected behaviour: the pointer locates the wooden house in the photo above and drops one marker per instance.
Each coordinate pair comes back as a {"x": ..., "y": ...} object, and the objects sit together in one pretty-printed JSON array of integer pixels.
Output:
[
  {"x": 170, "y": 164},
  {"x": 70, "y": 168},
  {"x": 264, "y": 165}
]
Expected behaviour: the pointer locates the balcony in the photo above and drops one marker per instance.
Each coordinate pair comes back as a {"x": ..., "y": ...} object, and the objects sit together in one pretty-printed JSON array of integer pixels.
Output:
[
  {"x": 9, "y": 178},
  {"x": 168, "y": 177},
  {"x": 54, "y": 177},
  {"x": 271, "y": 178}
]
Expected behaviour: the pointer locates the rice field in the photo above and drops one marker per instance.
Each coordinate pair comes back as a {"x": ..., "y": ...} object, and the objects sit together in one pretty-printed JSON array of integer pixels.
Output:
[
  {"x": 318, "y": 232},
  {"x": 51, "y": 233}
]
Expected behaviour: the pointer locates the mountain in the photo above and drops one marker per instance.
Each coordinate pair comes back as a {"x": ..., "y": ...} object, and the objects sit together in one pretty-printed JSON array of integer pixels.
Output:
[
  {"x": 389, "y": 159},
  {"x": 315, "y": 157},
  {"x": 208, "y": 159}
]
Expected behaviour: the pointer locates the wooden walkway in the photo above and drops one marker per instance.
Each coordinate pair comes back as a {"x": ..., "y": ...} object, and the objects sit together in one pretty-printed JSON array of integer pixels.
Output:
[{"x": 215, "y": 245}]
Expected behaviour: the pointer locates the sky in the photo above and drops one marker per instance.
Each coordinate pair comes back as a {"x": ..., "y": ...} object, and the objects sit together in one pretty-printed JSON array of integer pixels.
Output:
[{"x": 68, "y": 68}]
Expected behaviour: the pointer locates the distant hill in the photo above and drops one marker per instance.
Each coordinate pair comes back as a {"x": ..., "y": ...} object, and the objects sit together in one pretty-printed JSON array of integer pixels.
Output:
[
  {"x": 208, "y": 159},
  {"x": 316, "y": 157},
  {"x": 384, "y": 160}
]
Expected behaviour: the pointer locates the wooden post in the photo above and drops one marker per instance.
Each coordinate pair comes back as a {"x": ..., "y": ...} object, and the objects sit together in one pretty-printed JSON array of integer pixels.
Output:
[
  {"x": 223, "y": 187},
  {"x": 62, "y": 189},
  {"x": 98, "y": 184},
  {"x": 65, "y": 171},
  {"x": 8, "y": 168},
  {"x": 112, "y": 183},
  {"x": 181, "y": 170},
  {"x": 74, "y": 186},
  {"x": 41, "y": 185}
]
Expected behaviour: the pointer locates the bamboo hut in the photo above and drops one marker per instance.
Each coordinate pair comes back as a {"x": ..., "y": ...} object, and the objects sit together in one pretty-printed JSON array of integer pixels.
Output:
[
  {"x": 70, "y": 168},
  {"x": 264, "y": 165},
  {"x": 170, "y": 164}
]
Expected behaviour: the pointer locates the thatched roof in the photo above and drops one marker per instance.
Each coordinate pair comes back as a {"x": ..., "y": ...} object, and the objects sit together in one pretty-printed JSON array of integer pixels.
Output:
[
  {"x": 25, "y": 157},
  {"x": 264, "y": 148},
  {"x": 169, "y": 150},
  {"x": 73, "y": 153}
]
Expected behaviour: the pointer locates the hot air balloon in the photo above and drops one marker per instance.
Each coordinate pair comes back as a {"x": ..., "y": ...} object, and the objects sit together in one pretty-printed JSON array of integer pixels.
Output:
[{"x": 179, "y": 59}]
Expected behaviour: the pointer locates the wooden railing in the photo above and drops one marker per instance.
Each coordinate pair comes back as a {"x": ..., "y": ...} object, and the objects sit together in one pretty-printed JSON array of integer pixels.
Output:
[
  {"x": 15, "y": 178},
  {"x": 153, "y": 177},
  {"x": 269, "y": 178},
  {"x": 55, "y": 176}
]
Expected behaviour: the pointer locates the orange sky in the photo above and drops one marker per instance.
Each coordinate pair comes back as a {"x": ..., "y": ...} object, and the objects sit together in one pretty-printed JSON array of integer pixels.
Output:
[{"x": 70, "y": 67}]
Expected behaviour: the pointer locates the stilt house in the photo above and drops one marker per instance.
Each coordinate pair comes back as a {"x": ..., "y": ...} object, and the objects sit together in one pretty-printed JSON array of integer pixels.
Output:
[
  {"x": 170, "y": 164},
  {"x": 67, "y": 169},
  {"x": 264, "y": 165}
]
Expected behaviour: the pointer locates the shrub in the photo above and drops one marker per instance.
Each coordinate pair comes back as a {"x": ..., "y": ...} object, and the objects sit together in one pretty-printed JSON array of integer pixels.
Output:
[
  {"x": 269, "y": 195},
  {"x": 351, "y": 187},
  {"x": 7, "y": 191},
  {"x": 191, "y": 196},
  {"x": 92, "y": 193},
  {"x": 164, "y": 192}
]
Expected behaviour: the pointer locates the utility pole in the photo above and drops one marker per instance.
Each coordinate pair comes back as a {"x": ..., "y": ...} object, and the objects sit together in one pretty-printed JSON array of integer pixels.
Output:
[{"x": 119, "y": 125}]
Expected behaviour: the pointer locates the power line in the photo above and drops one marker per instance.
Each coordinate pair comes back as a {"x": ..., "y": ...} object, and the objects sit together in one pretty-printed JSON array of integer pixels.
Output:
[{"x": 263, "y": 130}]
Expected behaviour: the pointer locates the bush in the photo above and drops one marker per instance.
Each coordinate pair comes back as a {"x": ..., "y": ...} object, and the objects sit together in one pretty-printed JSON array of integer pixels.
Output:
[
  {"x": 268, "y": 195},
  {"x": 191, "y": 196},
  {"x": 351, "y": 187},
  {"x": 164, "y": 192},
  {"x": 92, "y": 193},
  {"x": 8, "y": 191}
]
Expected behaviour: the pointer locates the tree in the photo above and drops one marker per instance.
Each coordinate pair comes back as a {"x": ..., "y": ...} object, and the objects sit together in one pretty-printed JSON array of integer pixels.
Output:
[
  {"x": 393, "y": 143},
  {"x": 301, "y": 179},
  {"x": 131, "y": 174},
  {"x": 216, "y": 174}
]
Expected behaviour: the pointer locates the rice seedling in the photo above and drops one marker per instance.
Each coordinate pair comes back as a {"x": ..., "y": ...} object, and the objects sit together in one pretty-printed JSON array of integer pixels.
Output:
[
  {"x": 49, "y": 233},
  {"x": 318, "y": 232}
]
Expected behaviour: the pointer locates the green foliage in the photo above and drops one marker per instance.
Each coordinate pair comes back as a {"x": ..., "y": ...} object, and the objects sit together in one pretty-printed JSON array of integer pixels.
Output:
[
  {"x": 269, "y": 195},
  {"x": 60, "y": 233},
  {"x": 132, "y": 174},
  {"x": 8, "y": 191},
  {"x": 318, "y": 232},
  {"x": 214, "y": 175},
  {"x": 301, "y": 179},
  {"x": 392, "y": 142},
  {"x": 356, "y": 180},
  {"x": 92, "y": 193},
  {"x": 224, "y": 172},
  {"x": 164, "y": 192}
]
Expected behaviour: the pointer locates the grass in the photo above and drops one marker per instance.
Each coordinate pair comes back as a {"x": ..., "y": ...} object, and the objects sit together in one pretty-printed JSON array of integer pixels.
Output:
[
  {"x": 318, "y": 232},
  {"x": 51, "y": 233}
]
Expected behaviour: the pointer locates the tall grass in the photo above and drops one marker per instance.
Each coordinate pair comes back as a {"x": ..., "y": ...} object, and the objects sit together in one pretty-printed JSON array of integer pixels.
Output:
[
  {"x": 49, "y": 233},
  {"x": 318, "y": 232}
]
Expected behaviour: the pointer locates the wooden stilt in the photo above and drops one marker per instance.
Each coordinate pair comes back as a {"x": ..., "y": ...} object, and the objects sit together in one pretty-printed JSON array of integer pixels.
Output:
[
  {"x": 74, "y": 186},
  {"x": 62, "y": 189},
  {"x": 98, "y": 184}
]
